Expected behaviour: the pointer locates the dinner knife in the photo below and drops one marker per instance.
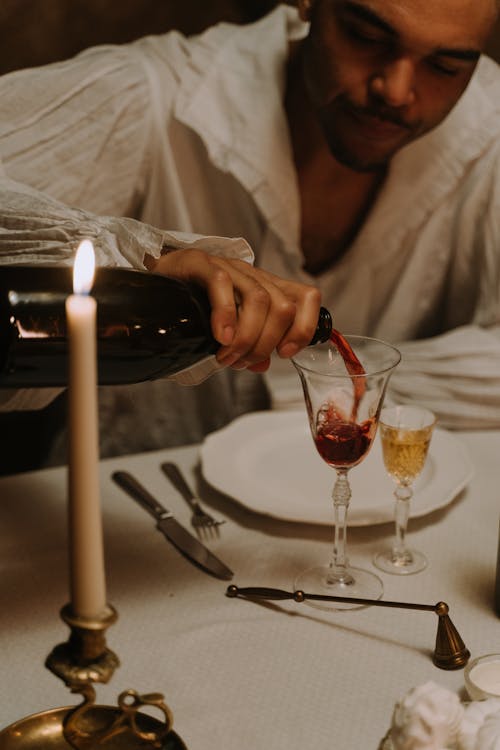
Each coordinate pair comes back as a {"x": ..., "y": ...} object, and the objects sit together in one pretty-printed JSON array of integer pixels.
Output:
[{"x": 185, "y": 542}]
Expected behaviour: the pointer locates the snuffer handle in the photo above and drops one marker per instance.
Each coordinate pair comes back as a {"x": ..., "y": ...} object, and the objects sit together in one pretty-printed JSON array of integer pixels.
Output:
[
  {"x": 260, "y": 592},
  {"x": 263, "y": 592},
  {"x": 450, "y": 651}
]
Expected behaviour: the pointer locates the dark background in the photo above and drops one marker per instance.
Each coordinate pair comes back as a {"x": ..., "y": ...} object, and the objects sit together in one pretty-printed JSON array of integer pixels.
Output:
[{"x": 34, "y": 32}]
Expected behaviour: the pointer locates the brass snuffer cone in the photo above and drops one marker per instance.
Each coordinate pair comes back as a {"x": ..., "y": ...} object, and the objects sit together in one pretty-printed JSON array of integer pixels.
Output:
[
  {"x": 83, "y": 660},
  {"x": 449, "y": 653}
]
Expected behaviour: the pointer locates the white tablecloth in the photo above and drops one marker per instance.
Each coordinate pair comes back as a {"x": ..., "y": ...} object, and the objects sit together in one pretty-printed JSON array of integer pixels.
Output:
[{"x": 240, "y": 675}]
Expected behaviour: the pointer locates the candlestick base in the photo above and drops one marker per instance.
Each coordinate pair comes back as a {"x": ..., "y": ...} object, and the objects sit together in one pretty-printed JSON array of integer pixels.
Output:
[
  {"x": 48, "y": 730},
  {"x": 84, "y": 658},
  {"x": 81, "y": 661}
]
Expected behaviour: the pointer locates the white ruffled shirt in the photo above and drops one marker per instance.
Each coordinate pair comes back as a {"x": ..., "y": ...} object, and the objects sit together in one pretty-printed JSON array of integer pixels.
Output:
[{"x": 191, "y": 135}]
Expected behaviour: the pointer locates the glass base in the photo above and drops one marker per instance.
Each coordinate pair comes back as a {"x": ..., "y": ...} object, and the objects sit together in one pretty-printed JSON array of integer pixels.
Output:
[
  {"x": 411, "y": 562},
  {"x": 354, "y": 583}
]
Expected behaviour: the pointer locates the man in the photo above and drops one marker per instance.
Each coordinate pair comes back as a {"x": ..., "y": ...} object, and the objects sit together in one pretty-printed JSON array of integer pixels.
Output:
[
  {"x": 355, "y": 148},
  {"x": 401, "y": 229}
]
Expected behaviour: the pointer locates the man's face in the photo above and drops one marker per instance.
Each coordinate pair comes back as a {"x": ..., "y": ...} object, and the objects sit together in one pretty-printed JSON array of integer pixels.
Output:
[{"x": 380, "y": 73}]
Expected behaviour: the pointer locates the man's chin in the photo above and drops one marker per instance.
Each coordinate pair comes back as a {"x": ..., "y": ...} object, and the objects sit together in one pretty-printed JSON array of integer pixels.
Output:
[
  {"x": 362, "y": 150},
  {"x": 360, "y": 161}
]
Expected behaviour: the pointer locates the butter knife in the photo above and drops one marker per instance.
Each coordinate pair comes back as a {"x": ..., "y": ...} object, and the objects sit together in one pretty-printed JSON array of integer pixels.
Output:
[{"x": 187, "y": 544}]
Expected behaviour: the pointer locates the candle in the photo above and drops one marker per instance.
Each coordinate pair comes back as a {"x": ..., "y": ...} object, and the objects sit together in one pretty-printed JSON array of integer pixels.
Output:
[
  {"x": 482, "y": 677},
  {"x": 87, "y": 579}
]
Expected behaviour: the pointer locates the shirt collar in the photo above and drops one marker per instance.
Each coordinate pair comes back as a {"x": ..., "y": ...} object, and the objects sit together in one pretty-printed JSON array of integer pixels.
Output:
[{"x": 231, "y": 95}]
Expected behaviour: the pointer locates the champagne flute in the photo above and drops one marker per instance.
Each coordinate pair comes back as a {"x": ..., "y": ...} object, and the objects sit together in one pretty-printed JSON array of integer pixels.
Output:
[
  {"x": 344, "y": 384},
  {"x": 405, "y": 434}
]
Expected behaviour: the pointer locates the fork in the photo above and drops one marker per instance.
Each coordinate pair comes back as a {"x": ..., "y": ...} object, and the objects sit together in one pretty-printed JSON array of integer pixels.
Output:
[{"x": 200, "y": 520}]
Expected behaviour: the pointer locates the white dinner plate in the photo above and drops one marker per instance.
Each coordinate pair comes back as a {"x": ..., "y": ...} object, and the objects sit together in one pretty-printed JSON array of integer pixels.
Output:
[{"x": 268, "y": 462}]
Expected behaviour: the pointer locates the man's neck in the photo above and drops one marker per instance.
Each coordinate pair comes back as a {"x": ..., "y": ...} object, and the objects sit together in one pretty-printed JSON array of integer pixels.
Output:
[
  {"x": 335, "y": 199},
  {"x": 308, "y": 142}
]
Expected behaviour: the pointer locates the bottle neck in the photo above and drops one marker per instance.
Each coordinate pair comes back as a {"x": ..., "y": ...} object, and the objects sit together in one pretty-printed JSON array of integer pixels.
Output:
[{"x": 324, "y": 327}]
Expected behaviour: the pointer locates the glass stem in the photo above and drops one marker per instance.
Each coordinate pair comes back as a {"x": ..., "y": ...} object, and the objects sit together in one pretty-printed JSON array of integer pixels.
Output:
[
  {"x": 400, "y": 553},
  {"x": 341, "y": 496}
]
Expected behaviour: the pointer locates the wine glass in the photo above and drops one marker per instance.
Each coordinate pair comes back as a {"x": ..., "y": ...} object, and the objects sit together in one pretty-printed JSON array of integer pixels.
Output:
[
  {"x": 405, "y": 434},
  {"x": 344, "y": 382}
]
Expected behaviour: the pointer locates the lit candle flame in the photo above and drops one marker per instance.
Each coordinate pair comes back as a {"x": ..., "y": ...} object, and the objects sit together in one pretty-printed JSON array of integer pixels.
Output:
[{"x": 84, "y": 267}]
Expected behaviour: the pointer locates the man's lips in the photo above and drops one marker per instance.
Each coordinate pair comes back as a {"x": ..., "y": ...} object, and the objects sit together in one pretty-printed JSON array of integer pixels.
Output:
[{"x": 379, "y": 126}]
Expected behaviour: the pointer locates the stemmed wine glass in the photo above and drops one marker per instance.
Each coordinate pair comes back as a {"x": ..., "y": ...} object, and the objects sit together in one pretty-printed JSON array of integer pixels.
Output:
[
  {"x": 344, "y": 382},
  {"x": 405, "y": 434}
]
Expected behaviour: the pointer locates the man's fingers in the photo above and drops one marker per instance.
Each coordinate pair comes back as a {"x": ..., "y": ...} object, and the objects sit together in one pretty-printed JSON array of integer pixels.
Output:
[
  {"x": 305, "y": 321},
  {"x": 224, "y": 316},
  {"x": 253, "y": 313},
  {"x": 253, "y": 316}
]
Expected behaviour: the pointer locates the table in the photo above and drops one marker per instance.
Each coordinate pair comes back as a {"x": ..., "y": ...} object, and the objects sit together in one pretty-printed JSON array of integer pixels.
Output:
[{"x": 238, "y": 674}]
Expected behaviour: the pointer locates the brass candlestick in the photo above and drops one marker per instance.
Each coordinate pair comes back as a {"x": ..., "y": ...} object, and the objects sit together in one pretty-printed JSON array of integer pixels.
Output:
[
  {"x": 449, "y": 652},
  {"x": 81, "y": 661},
  {"x": 84, "y": 658}
]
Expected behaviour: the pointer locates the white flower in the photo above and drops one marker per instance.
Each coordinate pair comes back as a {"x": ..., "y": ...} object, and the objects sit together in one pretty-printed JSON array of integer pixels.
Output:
[
  {"x": 428, "y": 718},
  {"x": 488, "y": 737},
  {"x": 480, "y": 729}
]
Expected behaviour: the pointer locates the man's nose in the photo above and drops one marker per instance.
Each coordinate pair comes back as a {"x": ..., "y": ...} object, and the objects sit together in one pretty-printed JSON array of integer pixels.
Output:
[{"x": 395, "y": 83}]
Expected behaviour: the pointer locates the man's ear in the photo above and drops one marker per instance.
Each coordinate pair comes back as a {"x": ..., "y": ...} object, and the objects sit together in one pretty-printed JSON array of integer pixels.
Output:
[{"x": 304, "y": 8}]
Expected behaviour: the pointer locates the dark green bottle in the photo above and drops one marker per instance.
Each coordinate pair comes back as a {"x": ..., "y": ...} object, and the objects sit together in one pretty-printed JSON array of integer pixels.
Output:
[{"x": 148, "y": 326}]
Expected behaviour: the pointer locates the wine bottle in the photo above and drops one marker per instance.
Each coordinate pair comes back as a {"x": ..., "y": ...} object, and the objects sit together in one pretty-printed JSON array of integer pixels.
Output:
[{"x": 148, "y": 326}]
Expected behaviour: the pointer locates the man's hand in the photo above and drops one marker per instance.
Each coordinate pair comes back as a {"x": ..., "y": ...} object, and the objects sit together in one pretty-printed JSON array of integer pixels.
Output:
[{"x": 253, "y": 311}]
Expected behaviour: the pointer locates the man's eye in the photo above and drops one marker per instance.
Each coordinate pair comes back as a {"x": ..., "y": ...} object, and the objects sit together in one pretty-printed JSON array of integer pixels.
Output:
[
  {"x": 444, "y": 69},
  {"x": 363, "y": 35}
]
